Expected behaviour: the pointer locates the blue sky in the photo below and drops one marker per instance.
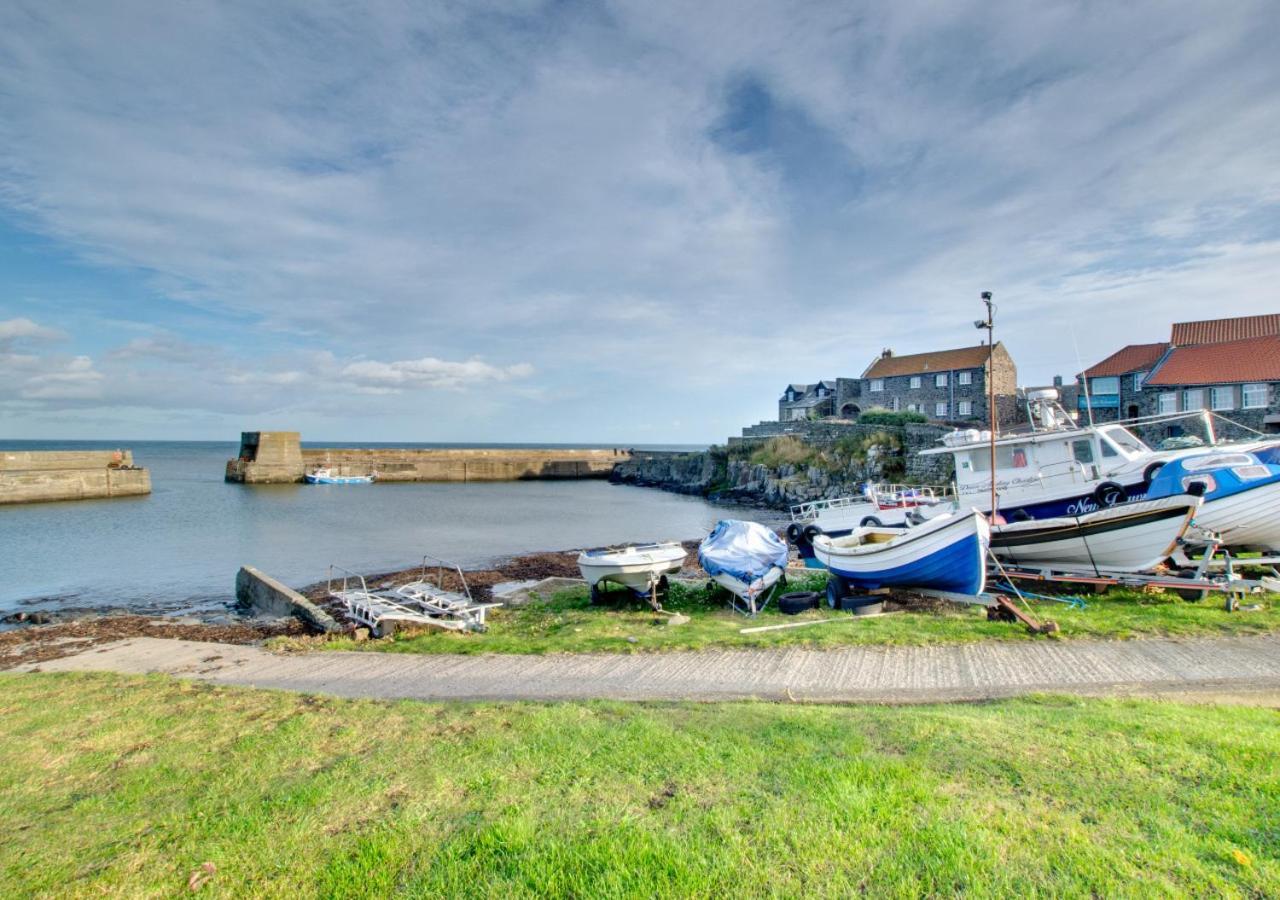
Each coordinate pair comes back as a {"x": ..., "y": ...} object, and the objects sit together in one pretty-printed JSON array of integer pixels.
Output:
[{"x": 605, "y": 222}]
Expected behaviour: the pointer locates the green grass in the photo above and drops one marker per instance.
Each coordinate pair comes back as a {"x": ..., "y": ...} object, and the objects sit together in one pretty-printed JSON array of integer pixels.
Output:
[
  {"x": 568, "y": 623},
  {"x": 126, "y": 786}
]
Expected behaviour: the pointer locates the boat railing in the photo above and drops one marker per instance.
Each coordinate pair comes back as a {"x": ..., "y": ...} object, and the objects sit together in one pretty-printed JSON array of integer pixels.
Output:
[
  {"x": 811, "y": 508},
  {"x": 347, "y": 576},
  {"x": 441, "y": 566},
  {"x": 879, "y": 494}
]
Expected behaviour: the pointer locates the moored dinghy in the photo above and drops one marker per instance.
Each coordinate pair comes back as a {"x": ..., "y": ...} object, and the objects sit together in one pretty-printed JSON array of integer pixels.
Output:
[
  {"x": 641, "y": 567},
  {"x": 1131, "y": 537},
  {"x": 328, "y": 476},
  {"x": 745, "y": 558},
  {"x": 947, "y": 554}
]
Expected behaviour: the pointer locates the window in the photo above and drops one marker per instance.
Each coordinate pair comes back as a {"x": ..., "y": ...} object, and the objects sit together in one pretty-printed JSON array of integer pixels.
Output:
[
  {"x": 1222, "y": 397},
  {"x": 940, "y": 409},
  {"x": 1082, "y": 451},
  {"x": 964, "y": 378},
  {"x": 915, "y": 381},
  {"x": 877, "y": 384},
  {"x": 893, "y": 404},
  {"x": 1107, "y": 449},
  {"x": 911, "y": 407},
  {"x": 1138, "y": 378},
  {"x": 964, "y": 408},
  {"x": 940, "y": 380},
  {"x": 1168, "y": 402},
  {"x": 1104, "y": 385},
  {"x": 1192, "y": 398},
  {"x": 1255, "y": 396}
]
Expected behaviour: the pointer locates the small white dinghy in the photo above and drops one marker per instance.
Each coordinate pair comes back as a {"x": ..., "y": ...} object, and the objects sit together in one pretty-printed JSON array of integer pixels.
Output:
[
  {"x": 746, "y": 559},
  {"x": 641, "y": 567}
]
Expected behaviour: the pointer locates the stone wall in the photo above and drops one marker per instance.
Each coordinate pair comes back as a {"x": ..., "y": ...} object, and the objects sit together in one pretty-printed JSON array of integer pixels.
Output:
[
  {"x": 262, "y": 594},
  {"x": 268, "y": 457},
  {"x": 38, "y": 476}
]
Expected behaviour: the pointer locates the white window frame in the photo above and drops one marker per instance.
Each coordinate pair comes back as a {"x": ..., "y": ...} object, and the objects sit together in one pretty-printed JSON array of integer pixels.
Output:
[
  {"x": 1105, "y": 385},
  {"x": 941, "y": 409},
  {"x": 1217, "y": 395},
  {"x": 965, "y": 377},
  {"x": 915, "y": 382},
  {"x": 964, "y": 408},
  {"x": 1167, "y": 402},
  {"x": 876, "y": 386},
  {"x": 940, "y": 380},
  {"x": 1187, "y": 394},
  {"x": 1138, "y": 378},
  {"x": 893, "y": 405},
  {"x": 1254, "y": 388}
]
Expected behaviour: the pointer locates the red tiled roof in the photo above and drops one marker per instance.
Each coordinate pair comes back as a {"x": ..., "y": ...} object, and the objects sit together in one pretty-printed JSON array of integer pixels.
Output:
[
  {"x": 1215, "y": 331},
  {"x": 938, "y": 361},
  {"x": 1251, "y": 359},
  {"x": 1133, "y": 358}
]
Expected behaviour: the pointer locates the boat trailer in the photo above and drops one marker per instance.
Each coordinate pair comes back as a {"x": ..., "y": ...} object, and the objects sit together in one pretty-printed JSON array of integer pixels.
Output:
[{"x": 421, "y": 602}]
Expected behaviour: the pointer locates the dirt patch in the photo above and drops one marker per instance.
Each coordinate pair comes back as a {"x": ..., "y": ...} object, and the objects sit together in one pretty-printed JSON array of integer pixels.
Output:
[{"x": 39, "y": 643}]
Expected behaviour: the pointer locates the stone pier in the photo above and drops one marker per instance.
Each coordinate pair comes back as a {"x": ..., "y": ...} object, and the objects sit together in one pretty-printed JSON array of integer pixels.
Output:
[
  {"x": 36, "y": 476},
  {"x": 277, "y": 457}
]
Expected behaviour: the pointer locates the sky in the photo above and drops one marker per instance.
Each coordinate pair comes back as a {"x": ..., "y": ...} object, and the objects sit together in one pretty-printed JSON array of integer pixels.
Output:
[{"x": 611, "y": 222}]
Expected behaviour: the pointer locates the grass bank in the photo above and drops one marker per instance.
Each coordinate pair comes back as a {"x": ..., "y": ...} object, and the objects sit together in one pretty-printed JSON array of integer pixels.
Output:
[
  {"x": 567, "y": 623},
  {"x": 128, "y": 787}
]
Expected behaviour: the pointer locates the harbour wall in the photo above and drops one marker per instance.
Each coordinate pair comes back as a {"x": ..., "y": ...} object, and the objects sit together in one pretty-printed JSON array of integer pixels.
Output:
[
  {"x": 268, "y": 457},
  {"x": 39, "y": 476}
]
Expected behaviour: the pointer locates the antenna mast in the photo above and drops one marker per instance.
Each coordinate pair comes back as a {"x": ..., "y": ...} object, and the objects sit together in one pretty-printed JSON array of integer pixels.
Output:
[{"x": 990, "y": 325}]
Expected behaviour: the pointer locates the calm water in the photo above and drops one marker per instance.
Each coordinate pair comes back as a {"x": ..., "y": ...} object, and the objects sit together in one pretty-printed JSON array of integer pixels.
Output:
[{"x": 179, "y": 549}]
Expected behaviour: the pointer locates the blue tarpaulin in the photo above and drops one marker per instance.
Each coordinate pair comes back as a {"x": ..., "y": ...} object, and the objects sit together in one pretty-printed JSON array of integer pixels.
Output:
[{"x": 745, "y": 550}]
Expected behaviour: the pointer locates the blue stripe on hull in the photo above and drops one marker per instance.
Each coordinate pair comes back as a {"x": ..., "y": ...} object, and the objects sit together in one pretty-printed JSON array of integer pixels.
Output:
[{"x": 957, "y": 568}]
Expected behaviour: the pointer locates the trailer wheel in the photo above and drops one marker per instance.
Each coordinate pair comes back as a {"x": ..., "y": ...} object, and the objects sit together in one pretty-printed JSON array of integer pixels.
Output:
[
  {"x": 835, "y": 592},
  {"x": 870, "y": 522}
]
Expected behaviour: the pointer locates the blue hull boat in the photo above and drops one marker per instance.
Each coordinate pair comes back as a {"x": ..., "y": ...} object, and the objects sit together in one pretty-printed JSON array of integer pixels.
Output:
[{"x": 947, "y": 554}]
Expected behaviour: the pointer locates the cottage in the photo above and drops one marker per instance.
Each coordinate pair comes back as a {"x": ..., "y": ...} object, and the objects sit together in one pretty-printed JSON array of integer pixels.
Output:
[
  {"x": 807, "y": 401},
  {"x": 944, "y": 385},
  {"x": 1230, "y": 366}
]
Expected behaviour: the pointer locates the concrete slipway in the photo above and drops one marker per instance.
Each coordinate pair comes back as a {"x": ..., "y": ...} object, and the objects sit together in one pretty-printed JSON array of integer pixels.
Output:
[{"x": 1241, "y": 669}]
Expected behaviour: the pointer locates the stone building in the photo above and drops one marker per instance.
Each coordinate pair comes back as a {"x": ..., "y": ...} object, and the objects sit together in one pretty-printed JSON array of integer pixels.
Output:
[
  {"x": 944, "y": 385},
  {"x": 807, "y": 401},
  {"x": 1230, "y": 366}
]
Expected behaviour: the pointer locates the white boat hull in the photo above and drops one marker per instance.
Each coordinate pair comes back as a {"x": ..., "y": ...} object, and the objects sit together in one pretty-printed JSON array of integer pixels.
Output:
[
  {"x": 948, "y": 553},
  {"x": 1132, "y": 537},
  {"x": 749, "y": 592},
  {"x": 1248, "y": 519},
  {"x": 635, "y": 568}
]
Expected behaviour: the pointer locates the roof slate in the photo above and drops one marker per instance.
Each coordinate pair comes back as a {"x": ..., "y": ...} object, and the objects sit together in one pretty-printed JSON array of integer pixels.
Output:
[
  {"x": 1133, "y": 358},
  {"x": 1214, "y": 331},
  {"x": 1250, "y": 359},
  {"x": 920, "y": 363}
]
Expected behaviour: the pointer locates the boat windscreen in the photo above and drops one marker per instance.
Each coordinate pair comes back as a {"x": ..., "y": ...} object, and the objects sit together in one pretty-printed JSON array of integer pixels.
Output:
[{"x": 1126, "y": 440}]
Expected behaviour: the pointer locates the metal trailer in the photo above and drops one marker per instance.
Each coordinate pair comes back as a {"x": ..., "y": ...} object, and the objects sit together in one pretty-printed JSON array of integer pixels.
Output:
[{"x": 422, "y": 602}]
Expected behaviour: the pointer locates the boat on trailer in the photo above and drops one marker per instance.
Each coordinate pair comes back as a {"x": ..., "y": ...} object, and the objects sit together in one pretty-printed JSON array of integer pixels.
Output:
[
  {"x": 946, "y": 554},
  {"x": 324, "y": 475},
  {"x": 1129, "y": 538},
  {"x": 641, "y": 567},
  {"x": 1054, "y": 468},
  {"x": 746, "y": 559},
  {"x": 893, "y": 505}
]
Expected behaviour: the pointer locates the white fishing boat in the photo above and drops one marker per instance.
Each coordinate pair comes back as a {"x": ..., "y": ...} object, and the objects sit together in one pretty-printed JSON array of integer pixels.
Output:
[
  {"x": 946, "y": 554},
  {"x": 894, "y": 505},
  {"x": 745, "y": 558},
  {"x": 328, "y": 476},
  {"x": 1129, "y": 538},
  {"x": 641, "y": 567}
]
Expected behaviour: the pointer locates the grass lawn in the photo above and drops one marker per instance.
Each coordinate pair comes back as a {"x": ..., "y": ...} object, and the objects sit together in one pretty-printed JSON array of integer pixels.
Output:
[
  {"x": 567, "y": 622},
  {"x": 128, "y": 786}
]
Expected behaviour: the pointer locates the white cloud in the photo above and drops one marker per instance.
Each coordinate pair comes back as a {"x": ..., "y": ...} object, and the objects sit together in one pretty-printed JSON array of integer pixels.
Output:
[
  {"x": 431, "y": 373},
  {"x": 73, "y": 379},
  {"x": 14, "y": 329}
]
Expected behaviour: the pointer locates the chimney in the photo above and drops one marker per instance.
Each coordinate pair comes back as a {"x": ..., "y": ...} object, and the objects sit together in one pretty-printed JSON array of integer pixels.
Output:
[
  {"x": 886, "y": 353},
  {"x": 1057, "y": 381}
]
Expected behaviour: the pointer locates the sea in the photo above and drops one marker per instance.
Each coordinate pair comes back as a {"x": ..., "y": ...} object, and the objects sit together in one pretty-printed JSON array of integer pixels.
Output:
[{"x": 177, "y": 551}]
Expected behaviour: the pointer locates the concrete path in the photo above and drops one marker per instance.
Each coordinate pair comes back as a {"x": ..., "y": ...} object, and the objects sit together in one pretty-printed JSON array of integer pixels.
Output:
[{"x": 1222, "y": 668}]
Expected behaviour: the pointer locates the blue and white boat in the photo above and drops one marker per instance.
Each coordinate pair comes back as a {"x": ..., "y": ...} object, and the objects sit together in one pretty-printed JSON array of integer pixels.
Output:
[
  {"x": 948, "y": 554},
  {"x": 1058, "y": 469},
  {"x": 327, "y": 476}
]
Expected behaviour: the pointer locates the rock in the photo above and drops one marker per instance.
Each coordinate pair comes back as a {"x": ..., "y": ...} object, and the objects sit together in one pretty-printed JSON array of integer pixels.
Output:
[
  {"x": 677, "y": 619},
  {"x": 360, "y": 634},
  {"x": 633, "y": 640}
]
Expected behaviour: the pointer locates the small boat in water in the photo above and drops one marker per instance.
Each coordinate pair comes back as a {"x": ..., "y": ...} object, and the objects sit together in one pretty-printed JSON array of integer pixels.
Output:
[
  {"x": 948, "y": 553},
  {"x": 1131, "y": 537},
  {"x": 641, "y": 567},
  {"x": 327, "y": 476},
  {"x": 746, "y": 559}
]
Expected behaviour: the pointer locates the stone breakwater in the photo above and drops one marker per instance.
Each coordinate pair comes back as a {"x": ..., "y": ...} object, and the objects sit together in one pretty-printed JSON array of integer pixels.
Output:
[
  {"x": 37, "y": 476},
  {"x": 277, "y": 457},
  {"x": 750, "y": 472}
]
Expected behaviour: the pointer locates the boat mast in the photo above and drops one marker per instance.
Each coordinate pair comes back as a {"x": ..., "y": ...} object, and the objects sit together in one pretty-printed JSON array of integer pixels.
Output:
[{"x": 989, "y": 324}]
